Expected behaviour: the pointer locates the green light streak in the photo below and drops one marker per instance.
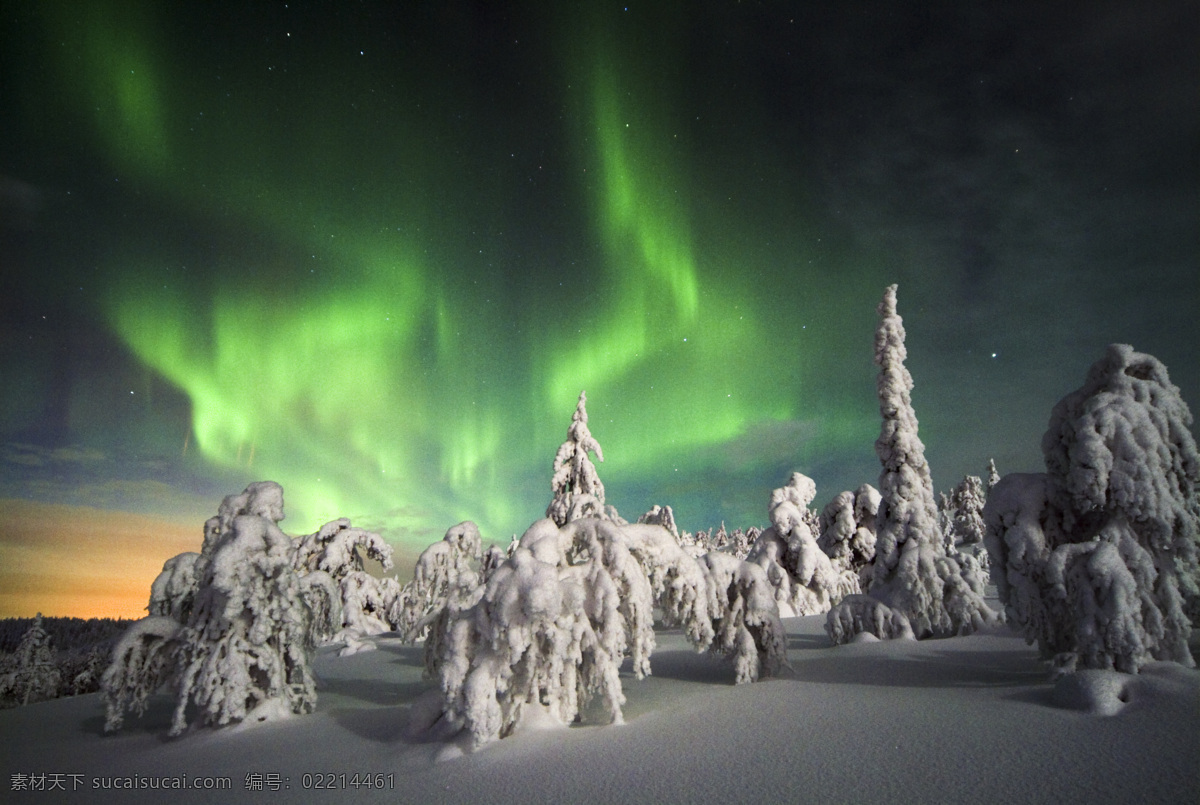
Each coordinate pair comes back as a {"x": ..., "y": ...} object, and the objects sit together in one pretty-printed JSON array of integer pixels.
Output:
[
  {"x": 108, "y": 67},
  {"x": 372, "y": 379},
  {"x": 644, "y": 200},
  {"x": 641, "y": 206},
  {"x": 672, "y": 352}
]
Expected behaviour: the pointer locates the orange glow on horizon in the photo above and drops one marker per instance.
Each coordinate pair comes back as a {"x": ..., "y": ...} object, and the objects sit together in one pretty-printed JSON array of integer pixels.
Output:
[{"x": 78, "y": 561}]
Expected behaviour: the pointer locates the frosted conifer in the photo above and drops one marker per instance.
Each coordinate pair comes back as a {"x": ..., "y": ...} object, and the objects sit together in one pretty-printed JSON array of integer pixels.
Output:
[
  {"x": 35, "y": 675},
  {"x": 441, "y": 570},
  {"x": 338, "y": 549},
  {"x": 993, "y": 476},
  {"x": 550, "y": 627},
  {"x": 913, "y": 574},
  {"x": 577, "y": 489},
  {"x": 803, "y": 576},
  {"x": 745, "y": 616},
  {"x": 1098, "y": 559},
  {"x": 968, "y": 500},
  {"x": 245, "y": 650},
  {"x": 847, "y": 528},
  {"x": 252, "y": 621}
]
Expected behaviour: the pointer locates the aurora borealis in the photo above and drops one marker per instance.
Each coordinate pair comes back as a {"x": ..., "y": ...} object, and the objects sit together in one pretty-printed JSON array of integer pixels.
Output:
[{"x": 374, "y": 251}]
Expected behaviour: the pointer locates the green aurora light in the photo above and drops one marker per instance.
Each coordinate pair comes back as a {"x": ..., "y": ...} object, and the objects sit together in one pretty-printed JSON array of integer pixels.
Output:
[{"x": 381, "y": 377}]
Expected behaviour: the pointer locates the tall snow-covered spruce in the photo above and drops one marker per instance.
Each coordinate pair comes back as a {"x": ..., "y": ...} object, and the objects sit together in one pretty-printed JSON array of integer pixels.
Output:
[
  {"x": 1098, "y": 558},
  {"x": 917, "y": 587}
]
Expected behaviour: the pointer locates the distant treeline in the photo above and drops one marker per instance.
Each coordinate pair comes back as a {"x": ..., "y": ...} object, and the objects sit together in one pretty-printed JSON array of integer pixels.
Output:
[
  {"x": 67, "y": 634},
  {"x": 44, "y": 658}
]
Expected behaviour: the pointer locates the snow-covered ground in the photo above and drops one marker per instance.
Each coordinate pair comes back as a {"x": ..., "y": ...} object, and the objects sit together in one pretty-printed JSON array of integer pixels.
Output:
[{"x": 971, "y": 719}]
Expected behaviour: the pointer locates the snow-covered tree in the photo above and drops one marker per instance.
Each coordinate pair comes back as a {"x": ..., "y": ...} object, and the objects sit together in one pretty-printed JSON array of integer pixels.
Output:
[
  {"x": 339, "y": 549},
  {"x": 857, "y": 615},
  {"x": 911, "y": 569},
  {"x": 736, "y": 543},
  {"x": 243, "y": 650},
  {"x": 740, "y": 541},
  {"x": 556, "y": 619},
  {"x": 961, "y": 518},
  {"x": 551, "y": 628},
  {"x": 550, "y": 623},
  {"x": 677, "y": 581},
  {"x": 966, "y": 508},
  {"x": 745, "y": 616},
  {"x": 804, "y": 578},
  {"x": 175, "y": 587},
  {"x": 993, "y": 476},
  {"x": 663, "y": 516},
  {"x": 847, "y": 537},
  {"x": 714, "y": 539},
  {"x": 82, "y": 673},
  {"x": 578, "y": 491},
  {"x": 492, "y": 558},
  {"x": 143, "y": 661},
  {"x": 33, "y": 675},
  {"x": 441, "y": 570},
  {"x": 1098, "y": 559},
  {"x": 945, "y": 520}
]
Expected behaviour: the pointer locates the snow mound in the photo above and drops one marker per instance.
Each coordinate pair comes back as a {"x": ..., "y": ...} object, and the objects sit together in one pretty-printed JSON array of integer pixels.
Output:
[{"x": 1102, "y": 693}]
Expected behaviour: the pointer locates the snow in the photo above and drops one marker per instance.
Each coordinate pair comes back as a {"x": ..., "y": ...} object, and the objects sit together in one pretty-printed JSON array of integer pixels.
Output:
[{"x": 963, "y": 719}]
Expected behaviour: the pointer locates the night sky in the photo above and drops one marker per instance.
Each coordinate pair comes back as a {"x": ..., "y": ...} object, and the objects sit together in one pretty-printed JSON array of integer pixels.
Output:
[{"x": 374, "y": 251}]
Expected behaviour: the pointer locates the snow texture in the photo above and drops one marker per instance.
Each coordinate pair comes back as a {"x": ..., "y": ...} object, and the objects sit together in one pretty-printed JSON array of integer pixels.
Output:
[
  {"x": 175, "y": 587},
  {"x": 988, "y": 728},
  {"x": 1097, "y": 558}
]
